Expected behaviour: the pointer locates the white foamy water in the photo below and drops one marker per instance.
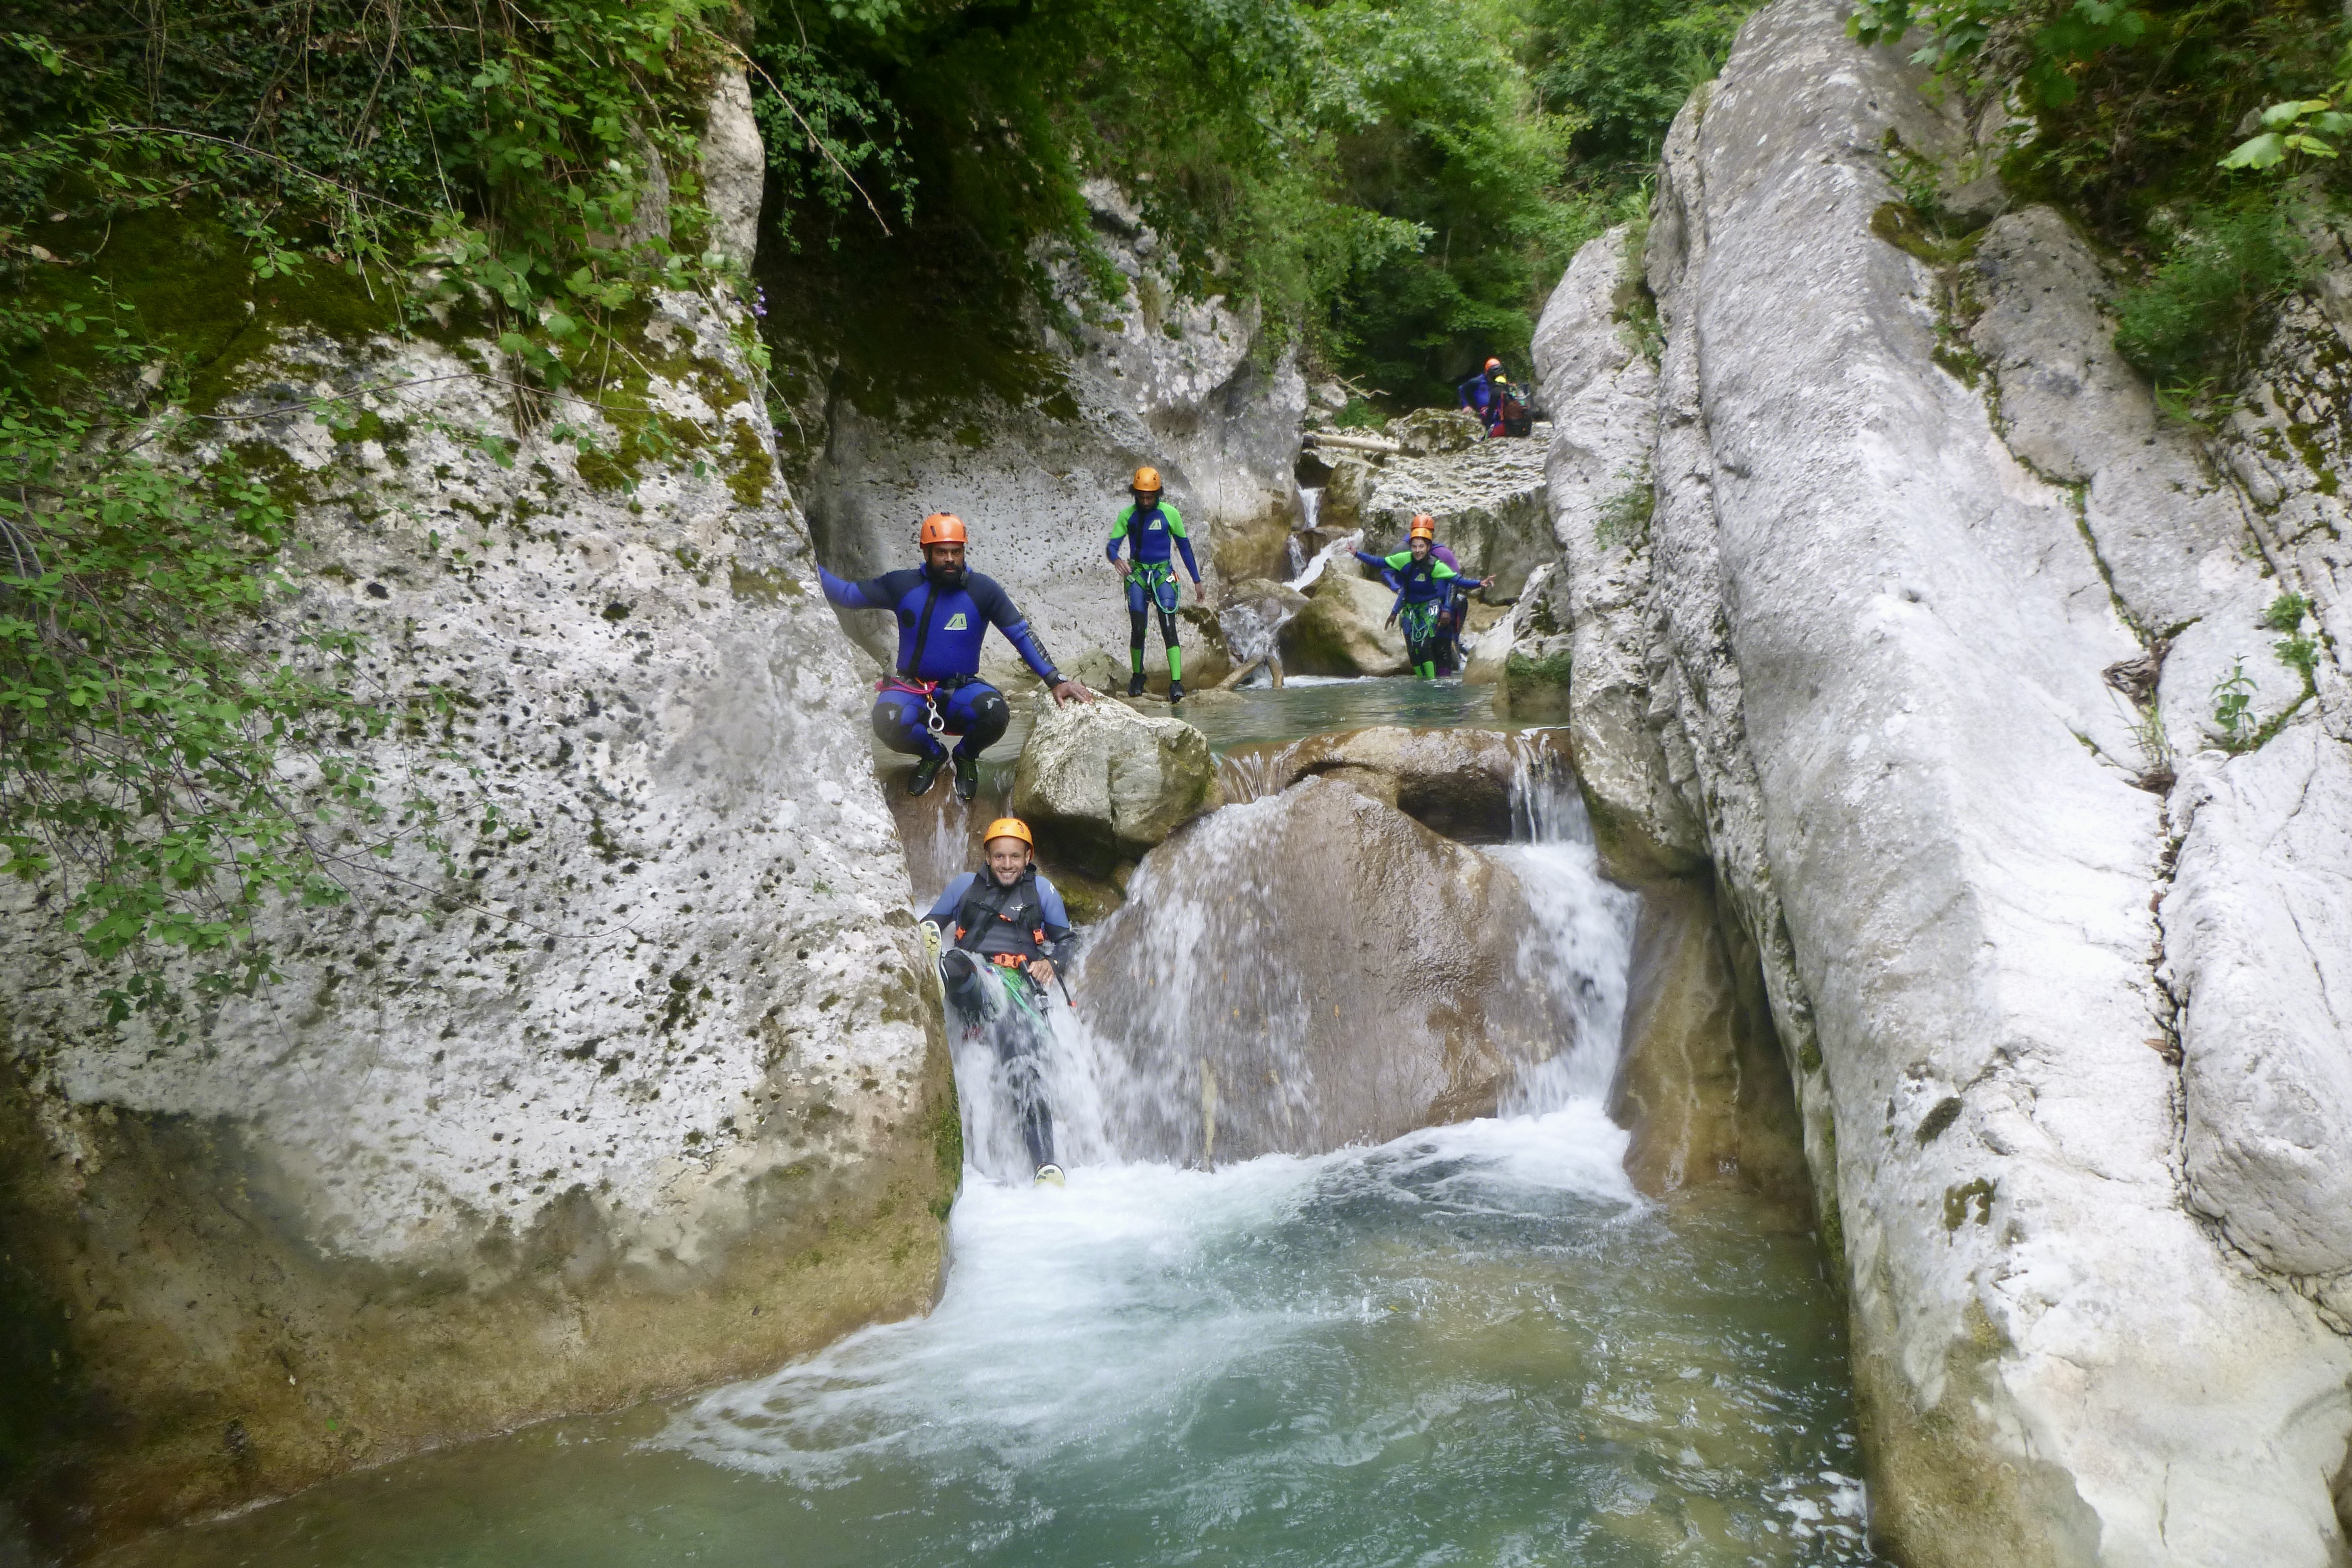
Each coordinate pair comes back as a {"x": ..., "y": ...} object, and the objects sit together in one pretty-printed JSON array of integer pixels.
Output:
[{"x": 1085, "y": 1320}]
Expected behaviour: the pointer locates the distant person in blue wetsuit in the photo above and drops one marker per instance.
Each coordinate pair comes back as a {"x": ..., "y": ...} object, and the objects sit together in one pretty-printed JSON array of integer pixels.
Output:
[
  {"x": 1150, "y": 527},
  {"x": 1425, "y": 588},
  {"x": 1478, "y": 393},
  {"x": 943, "y": 613},
  {"x": 998, "y": 931}
]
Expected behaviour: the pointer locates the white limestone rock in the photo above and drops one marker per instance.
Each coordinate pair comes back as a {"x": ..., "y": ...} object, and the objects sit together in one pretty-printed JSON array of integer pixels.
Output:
[
  {"x": 1601, "y": 387},
  {"x": 1881, "y": 646},
  {"x": 1100, "y": 781},
  {"x": 638, "y": 1089},
  {"x": 1486, "y": 497},
  {"x": 734, "y": 167},
  {"x": 2256, "y": 927}
]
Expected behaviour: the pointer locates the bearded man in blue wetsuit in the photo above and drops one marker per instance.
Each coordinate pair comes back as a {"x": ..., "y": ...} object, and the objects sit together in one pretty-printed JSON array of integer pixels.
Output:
[
  {"x": 1150, "y": 527},
  {"x": 943, "y": 612}
]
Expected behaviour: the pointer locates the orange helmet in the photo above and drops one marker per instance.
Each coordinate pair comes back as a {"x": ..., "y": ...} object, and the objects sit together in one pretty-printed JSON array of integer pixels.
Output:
[
  {"x": 1494, "y": 365},
  {"x": 941, "y": 528},
  {"x": 1146, "y": 480},
  {"x": 1423, "y": 527},
  {"x": 1008, "y": 827}
]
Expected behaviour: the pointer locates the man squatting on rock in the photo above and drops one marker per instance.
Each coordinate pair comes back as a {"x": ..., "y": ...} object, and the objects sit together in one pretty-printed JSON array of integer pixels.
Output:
[
  {"x": 943, "y": 613},
  {"x": 998, "y": 930},
  {"x": 1149, "y": 526},
  {"x": 1426, "y": 588}
]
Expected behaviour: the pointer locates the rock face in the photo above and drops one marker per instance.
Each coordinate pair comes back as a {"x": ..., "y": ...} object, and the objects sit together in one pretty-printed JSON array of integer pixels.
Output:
[
  {"x": 1487, "y": 501},
  {"x": 1155, "y": 381},
  {"x": 643, "y": 1091},
  {"x": 1911, "y": 649},
  {"x": 1099, "y": 782},
  {"x": 1343, "y": 629},
  {"x": 1267, "y": 911}
]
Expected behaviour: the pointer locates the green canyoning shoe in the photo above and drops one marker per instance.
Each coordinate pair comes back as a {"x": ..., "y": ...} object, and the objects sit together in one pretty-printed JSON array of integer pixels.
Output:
[
  {"x": 966, "y": 783},
  {"x": 926, "y": 774}
]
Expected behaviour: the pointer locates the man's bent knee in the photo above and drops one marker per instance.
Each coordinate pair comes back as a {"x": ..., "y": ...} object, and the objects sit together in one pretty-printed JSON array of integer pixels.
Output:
[
  {"x": 991, "y": 716},
  {"x": 899, "y": 727}
]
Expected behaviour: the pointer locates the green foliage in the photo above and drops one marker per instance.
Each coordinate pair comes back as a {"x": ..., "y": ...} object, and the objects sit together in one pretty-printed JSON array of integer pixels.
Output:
[
  {"x": 161, "y": 779},
  {"x": 2200, "y": 315},
  {"x": 2285, "y": 613},
  {"x": 2300, "y": 654},
  {"x": 2141, "y": 121},
  {"x": 1621, "y": 70},
  {"x": 2233, "y": 697},
  {"x": 1396, "y": 181}
]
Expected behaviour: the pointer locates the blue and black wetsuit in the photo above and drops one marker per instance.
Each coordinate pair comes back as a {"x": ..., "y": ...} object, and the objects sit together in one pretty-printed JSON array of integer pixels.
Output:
[
  {"x": 1426, "y": 590},
  {"x": 1479, "y": 396},
  {"x": 1448, "y": 642},
  {"x": 941, "y": 625},
  {"x": 992, "y": 932},
  {"x": 1150, "y": 532}
]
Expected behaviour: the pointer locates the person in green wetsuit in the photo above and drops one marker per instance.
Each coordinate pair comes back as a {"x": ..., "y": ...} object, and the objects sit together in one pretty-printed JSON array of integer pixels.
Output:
[
  {"x": 1425, "y": 586},
  {"x": 1151, "y": 528}
]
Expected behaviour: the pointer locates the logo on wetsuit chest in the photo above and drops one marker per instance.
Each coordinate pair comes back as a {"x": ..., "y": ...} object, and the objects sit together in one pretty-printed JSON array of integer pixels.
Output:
[
  {"x": 956, "y": 622},
  {"x": 1154, "y": 526}
]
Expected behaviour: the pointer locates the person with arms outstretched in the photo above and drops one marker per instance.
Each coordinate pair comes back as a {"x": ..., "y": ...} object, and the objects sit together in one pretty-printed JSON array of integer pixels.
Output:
[
  {"x": 1150, "y": 527},
  {"x": 999, "y": 928},
  {"x": 1447, "y": 643},
  {"x": 1425, "y": 588},
  {"x": 943, "y": 612}
]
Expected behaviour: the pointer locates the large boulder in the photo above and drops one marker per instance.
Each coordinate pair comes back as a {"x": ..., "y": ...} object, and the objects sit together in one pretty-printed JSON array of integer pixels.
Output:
[
  {"x": 1312, "y": 970},
  {"x": 1343, "y": 629},
  {"x": 1101, "y": 782},
  {"x": 641, "y": 1089},
  {"x": 1886, "y": 590}
]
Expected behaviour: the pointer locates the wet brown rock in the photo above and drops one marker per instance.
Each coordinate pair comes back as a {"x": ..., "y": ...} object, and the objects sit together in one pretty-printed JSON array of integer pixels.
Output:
[
  {"x": 1378, "y": 960},
  {"x": 1701, "y": 1085}
]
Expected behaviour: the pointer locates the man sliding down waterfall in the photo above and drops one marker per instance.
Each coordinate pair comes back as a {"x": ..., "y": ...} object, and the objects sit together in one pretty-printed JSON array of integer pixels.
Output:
[
  {"x": 998, "y": 928},
  {"x": 1426, "y": 589},
  {"x": 943, "y": 613},
  {"x": 1150, "y": 526}
]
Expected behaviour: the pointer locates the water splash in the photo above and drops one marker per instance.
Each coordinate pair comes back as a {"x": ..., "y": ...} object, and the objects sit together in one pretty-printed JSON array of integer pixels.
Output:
[{"x": 1338, "y": 549}]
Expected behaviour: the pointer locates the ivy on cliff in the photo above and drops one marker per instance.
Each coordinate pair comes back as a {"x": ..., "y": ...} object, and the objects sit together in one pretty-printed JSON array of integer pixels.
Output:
[
  {"x": 174, "y": 756},
  {"x": 2153, "y": 122}
]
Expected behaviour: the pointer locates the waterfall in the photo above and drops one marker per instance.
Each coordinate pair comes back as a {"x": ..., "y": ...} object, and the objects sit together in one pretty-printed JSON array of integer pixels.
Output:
[
  {"x": 1339, "y": 547},
  {"x": 1578, "y": 947}
]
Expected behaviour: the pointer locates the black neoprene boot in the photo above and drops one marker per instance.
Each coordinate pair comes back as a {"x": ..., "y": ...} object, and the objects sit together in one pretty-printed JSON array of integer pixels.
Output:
[
  {"x": 1135, "y": 684},
  {"x": 966, "y": 783},
  {"x": 1175, "y": 692},
  {"x": 926, "y": 774}
]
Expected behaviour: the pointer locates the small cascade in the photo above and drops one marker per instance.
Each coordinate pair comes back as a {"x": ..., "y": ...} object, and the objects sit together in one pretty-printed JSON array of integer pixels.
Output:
[
  {"x": 1255, "y": 771},
  {"x": 1338, "y": 548},
  {"x": 1579, "y": 946}
]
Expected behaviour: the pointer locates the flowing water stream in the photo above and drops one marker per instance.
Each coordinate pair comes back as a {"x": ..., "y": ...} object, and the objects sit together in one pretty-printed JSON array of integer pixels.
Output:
[{"x": 1472, "y": 1344}]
